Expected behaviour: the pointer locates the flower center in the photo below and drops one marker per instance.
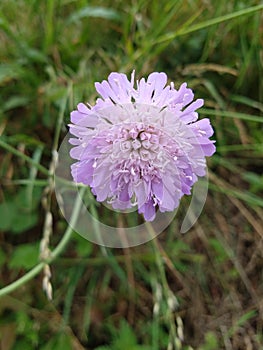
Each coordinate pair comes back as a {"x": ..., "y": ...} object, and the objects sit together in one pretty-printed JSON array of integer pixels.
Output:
[{"x": 139, "y": 152}]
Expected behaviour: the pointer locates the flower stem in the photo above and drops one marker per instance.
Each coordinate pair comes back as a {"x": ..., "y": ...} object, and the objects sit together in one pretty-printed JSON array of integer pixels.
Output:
[
  {"x": 18, "y": 283},
  {"x": 58, "y": 250}
]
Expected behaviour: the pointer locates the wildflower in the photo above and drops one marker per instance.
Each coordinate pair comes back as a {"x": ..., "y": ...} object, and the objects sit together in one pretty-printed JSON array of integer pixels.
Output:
[{"x": 140, "y": 144}]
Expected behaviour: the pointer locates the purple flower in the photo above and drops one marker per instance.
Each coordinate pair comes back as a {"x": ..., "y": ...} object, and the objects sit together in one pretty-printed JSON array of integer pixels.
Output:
[{"x": 141, "y": 144}]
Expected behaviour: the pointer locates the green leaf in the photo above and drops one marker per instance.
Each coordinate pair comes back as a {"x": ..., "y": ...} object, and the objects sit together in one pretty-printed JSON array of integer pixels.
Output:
[
  {"x": 255, "y": 181},
  {"x": 24, "y": 138},
  {"x": 21, "y": 210},
  {"x": 221, "y": 255},
  {"x": 210, "y": 22},
  {"x": 242, "y": 320},
  {"x": 14, "y": 102},
  {"x": 83, "y": 247},
  {"x": 24, "y": 222},
  {"x": 125, "y": 338},
  {"x": 211, "y": 342},
  {"x": 7, "y": 215},
  {"x": 34, "y": 55},
  {"x": 22, "y": 344},
  {"x": 16, "y": 213},
  {"x": 230, "y": 114},
  {"x": 26, "y": 202},
  {"x": 94, "y": 11},
  {"x": 61, "y": 342},
  {"x": 24, "y": 256},
  {"x": 10, "y": 71}
]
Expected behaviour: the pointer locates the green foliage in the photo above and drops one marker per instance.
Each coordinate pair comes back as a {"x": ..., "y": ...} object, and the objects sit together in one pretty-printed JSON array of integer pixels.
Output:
[
  {"x": 211, "y": 342},
  {"x": 25, "y": 327},
  {"x": 83, "y": 247},
  {"x": 242, "y": 320},
  {"x": 19, "y": 213},
  {"x": 220, "y": 254},
  {"x": 124, "y": 338},
  {"x": 62, "y": 341},
  {"x": 24, "y": 256},
  {"x": 255, "y": 181}
]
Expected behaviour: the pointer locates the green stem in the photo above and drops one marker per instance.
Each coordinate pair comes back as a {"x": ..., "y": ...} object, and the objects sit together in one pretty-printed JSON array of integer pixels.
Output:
[
  {"x": 49, "y": 25},
  {"x": 18, "y": 283},
  {"x": 13, "y": 150},
  {"x": 208, "y": 23},
  {"x": 40, "y": 167},
  {"x": 158, "y": 258},
  {"x": 166, "y": 288},
  {"x": 230, "y": 114},
  {"x": 60, "y": 247}
]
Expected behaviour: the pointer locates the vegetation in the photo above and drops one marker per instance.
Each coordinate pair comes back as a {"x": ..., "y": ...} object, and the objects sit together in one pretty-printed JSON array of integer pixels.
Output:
[{"x": 202, "y": 290}]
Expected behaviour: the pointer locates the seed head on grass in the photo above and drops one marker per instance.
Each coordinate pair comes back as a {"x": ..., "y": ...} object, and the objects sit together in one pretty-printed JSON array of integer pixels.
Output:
[{"x": 141, "y": 144}]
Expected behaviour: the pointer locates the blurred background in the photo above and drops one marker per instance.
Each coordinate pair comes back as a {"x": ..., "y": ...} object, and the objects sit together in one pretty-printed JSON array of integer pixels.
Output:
[{"x": 201, "y": 290}]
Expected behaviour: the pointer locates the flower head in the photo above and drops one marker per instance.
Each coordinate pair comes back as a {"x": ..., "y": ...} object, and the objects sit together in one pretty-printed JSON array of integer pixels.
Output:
[{"x": 140, "y": 144}]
